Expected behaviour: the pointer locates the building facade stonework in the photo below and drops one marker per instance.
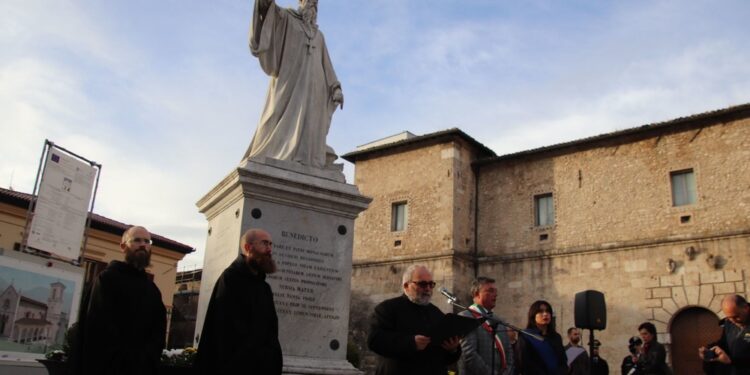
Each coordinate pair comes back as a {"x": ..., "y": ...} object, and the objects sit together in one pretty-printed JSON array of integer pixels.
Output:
[{"x": 656, "y": 217}]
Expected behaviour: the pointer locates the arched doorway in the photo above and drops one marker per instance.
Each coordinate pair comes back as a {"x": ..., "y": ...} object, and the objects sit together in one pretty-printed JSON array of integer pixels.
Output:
[{"x": 692, "y": 328}]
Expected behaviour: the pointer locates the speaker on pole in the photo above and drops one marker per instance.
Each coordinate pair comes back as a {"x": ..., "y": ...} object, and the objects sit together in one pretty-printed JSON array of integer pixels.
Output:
[{"x": 590, "y": 310}]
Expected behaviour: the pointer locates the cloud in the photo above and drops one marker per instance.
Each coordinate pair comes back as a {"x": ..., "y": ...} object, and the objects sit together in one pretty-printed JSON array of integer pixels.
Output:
[
  {"x": 64, "y": 31},
  {"x": 38, "y": 101}
]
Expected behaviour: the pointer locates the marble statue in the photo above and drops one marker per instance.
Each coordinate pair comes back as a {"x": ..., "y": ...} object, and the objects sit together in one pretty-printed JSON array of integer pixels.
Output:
[{"x": 304, "y": 91}]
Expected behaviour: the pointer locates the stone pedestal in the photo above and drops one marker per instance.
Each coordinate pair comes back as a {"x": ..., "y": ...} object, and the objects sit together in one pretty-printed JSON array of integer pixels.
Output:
[{"x": 310, "y": 215}]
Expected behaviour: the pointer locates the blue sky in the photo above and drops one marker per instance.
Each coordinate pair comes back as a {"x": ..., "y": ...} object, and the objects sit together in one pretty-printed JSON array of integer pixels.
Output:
[{"x": 166, "y": 96}]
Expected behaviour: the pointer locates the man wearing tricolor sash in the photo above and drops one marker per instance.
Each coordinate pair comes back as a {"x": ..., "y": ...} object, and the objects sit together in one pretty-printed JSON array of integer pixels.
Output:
[{"x": 487, "y": 349}]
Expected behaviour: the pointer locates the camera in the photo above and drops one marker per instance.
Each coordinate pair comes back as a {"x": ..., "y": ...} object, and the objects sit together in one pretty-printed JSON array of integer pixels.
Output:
[
  {"x": 708, "y": 355},
  {"x": 633, "y": 344}
]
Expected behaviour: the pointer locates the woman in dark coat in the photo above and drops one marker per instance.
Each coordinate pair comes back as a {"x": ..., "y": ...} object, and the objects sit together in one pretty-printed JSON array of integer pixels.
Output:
[
  {"x": 541, "y": 357},
  {"x": 653, "y": 358}
]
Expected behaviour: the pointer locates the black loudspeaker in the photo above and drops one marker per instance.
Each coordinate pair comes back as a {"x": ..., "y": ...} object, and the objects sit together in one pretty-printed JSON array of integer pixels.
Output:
[{"x": 590, "y": 310}]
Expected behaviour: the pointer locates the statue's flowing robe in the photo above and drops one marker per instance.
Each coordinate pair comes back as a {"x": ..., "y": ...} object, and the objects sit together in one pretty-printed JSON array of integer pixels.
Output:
[{"x": 299, "y": 105}]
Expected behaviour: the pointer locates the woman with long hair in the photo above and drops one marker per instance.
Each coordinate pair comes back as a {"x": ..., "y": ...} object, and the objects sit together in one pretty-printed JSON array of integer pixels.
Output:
[
  {"x": 545, "y": 357},
  {"x": 653, "y": 358}
]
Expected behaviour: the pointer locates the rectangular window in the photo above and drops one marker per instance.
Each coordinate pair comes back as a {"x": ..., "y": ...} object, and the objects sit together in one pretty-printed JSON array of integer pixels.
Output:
[
  {"x": 683, "y": 187},
  {"x": 544, "y": 210},
  {"x": 399, "y": 216}
]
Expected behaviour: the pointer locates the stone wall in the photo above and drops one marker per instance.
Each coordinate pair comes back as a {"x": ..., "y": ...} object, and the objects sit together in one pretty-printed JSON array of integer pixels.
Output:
[
  {"x": 615, "y": 229},
  {"x": 636, "y": 282},
  {"x": 437, "y": 183},
  {"x": 619, "y": 192}
]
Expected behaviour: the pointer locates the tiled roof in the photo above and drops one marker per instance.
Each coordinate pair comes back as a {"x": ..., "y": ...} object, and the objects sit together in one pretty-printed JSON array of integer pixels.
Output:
[{"x": 98, "y": 222}]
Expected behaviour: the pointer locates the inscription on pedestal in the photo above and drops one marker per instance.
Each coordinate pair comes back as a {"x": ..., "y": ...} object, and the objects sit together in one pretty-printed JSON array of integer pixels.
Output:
[
  {"x": 307, "y": 272},
  {"x": 310, "y": 214}
]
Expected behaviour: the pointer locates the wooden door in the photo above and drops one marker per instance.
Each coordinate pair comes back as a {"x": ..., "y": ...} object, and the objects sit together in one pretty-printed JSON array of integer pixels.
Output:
[{"x": 692, "y": 328}]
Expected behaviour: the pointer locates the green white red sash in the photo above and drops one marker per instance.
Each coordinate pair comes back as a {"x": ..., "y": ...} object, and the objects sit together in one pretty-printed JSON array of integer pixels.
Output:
[{"x": 477, "y": 312}]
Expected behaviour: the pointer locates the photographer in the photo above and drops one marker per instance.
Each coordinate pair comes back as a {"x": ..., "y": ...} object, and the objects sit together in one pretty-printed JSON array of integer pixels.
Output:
[
  {"x": 714, "y": 367},
  {"x": 630, "y": 362},
  {"x": 733, "y": 349}
]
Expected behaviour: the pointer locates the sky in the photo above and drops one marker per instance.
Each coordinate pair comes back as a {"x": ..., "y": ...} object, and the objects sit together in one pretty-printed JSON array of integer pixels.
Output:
[{"x": 166, "y": 95}]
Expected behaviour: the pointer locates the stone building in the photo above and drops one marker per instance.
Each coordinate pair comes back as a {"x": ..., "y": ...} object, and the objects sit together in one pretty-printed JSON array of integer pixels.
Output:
[{"x": 656, "y": 217}]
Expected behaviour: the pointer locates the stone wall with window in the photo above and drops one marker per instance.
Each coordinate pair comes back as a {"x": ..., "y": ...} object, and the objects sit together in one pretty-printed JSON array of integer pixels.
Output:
[
  {"x": 659, "y": 223},
  {"x": 422, "y": 212},
  {"x": 434, "y": 185},
  {"x": 620, "y": 191},
  {"x": 656, "y": 217}
]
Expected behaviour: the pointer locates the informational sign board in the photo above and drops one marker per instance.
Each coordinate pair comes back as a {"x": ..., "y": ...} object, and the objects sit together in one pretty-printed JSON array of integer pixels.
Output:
[{"x": 62, "y": 205}]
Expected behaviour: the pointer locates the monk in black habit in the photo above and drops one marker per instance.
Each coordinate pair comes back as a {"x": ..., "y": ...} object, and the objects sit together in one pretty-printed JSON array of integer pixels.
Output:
[
  {"x": 123, "y": 327},
  {"x": 241, "y": 330}
]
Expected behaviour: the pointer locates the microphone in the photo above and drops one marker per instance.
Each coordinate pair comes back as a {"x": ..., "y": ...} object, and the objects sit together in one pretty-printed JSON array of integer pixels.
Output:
[{"x": 448, "y": 294}]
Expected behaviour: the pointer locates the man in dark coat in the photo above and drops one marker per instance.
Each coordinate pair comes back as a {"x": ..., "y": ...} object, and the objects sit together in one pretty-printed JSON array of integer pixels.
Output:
[
  {"x": 578, "y": 359},
  {"x": 241, "y": 330},
  {"x": 399, "y": 329},
  {"x": 598, "y": 365},
  {"x": 123, "y": 327},
  {"x": 731, "y": 355}
]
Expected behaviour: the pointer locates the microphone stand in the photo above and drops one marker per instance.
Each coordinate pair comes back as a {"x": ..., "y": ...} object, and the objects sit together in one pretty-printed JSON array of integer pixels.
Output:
[{"x": 454, "y": 301}]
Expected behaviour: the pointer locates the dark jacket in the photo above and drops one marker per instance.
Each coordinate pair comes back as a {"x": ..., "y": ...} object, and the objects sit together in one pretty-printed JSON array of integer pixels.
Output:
[
  {"x": 241, "y": 330},
  {"x": 654, "y": 360},
  {"x": 580, "y": 365},
  {"x": 529, "y": 361},
  {"x": 628, "y": 365},
  {"x": 123, "y": 327},
  {"x": 393, "y": 326},
  {"x": 735, "y": 341},
  {"x": 599, "y": 366}
]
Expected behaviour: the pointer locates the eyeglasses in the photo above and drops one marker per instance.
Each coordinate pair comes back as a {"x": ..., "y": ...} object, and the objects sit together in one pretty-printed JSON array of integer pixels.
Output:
[
  {"x": 266, "y": 243},
  {"x": 424, "y": 284},
  {"x": 140, "y": 240}
]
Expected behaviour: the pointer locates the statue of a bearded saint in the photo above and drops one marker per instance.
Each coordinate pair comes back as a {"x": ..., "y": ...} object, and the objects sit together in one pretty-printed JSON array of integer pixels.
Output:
[{"x": 304, "y": 91}]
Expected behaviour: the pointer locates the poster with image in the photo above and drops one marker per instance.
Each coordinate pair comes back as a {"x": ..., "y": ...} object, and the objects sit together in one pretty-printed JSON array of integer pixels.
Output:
[
  {"x": 62, "y": 205},
  {"x": 37, "y": 306}
]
